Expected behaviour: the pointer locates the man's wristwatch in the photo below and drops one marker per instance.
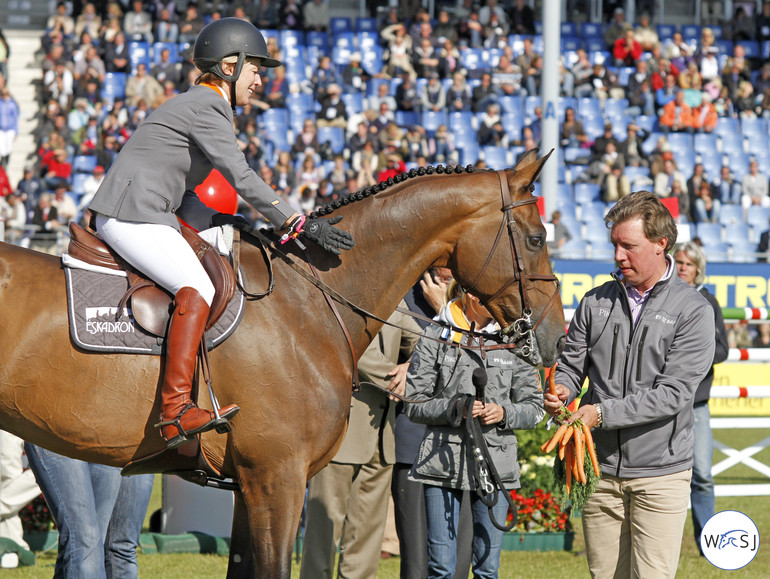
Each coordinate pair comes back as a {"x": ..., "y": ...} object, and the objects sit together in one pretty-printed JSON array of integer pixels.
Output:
[{"x": 599, "y": 418}]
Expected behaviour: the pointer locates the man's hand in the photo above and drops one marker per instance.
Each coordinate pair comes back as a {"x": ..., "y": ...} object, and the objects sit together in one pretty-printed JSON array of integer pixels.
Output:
[
  {"x": 398, "y": 380},
  {"x": 433, "y": 290},
  {"x": 552, "y": 403},
  {"x": 587, "y": 414},
  {"x": 322, "y": 232}
]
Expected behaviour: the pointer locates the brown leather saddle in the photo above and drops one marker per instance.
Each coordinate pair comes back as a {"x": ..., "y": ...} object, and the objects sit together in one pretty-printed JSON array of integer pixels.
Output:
[{"x": 151, "y": 304}]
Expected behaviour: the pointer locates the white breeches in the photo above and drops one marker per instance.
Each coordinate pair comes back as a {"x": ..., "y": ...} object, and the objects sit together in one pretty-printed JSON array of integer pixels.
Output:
[{"x": 159, "y": 252}]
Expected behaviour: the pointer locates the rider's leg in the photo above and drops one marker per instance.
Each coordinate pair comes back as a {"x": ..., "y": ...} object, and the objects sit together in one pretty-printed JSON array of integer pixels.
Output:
[{"x": 162, "y": 254}]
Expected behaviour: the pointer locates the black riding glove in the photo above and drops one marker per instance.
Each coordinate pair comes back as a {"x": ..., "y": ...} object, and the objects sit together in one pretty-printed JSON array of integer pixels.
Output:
[
  {"x": 323, "y": 233},
  {"x": 219, "y": 219}
]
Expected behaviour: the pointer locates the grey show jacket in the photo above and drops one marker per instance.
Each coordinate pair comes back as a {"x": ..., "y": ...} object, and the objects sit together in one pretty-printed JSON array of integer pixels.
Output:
[
  {"x": 644, "y": 376},
  {"x": 511, "y": 383},
  {"x": 171, "y": 152}
]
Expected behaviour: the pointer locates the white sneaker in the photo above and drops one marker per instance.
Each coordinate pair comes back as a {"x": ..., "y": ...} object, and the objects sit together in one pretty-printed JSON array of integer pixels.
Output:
[{"x": 9, "y": 561}]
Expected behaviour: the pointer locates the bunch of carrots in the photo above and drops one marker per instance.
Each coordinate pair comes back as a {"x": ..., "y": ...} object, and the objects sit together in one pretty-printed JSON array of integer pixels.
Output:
[{"x": 575, "y": 447}]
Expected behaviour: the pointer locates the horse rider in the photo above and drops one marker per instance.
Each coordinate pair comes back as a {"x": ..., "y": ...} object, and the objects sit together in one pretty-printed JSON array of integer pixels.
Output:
[{"x": 150, "y": 185}]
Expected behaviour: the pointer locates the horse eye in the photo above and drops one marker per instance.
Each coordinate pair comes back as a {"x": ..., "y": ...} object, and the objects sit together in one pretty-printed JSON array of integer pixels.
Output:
[{"x": 536, "y": 241}]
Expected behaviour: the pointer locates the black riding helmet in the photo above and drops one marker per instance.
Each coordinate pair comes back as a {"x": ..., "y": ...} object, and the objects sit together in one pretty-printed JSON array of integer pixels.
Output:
[{"x": 230, "y": 37}]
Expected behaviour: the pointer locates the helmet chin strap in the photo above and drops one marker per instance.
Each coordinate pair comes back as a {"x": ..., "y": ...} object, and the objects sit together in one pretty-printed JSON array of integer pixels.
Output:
[{"x": 233, "y": 78}]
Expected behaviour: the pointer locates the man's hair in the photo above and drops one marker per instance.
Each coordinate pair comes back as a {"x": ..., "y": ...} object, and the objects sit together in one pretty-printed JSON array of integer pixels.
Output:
[
  {"x": 656, "y": 218},
  {"x": 694, "y": 252}
]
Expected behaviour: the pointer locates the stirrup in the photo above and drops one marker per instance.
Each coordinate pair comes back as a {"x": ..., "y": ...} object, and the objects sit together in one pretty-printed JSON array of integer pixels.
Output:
[{"x": 221, "y": 424}]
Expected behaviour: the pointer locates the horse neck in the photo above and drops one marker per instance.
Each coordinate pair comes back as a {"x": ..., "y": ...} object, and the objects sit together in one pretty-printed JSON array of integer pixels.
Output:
[{"x": 399, "y": 234}]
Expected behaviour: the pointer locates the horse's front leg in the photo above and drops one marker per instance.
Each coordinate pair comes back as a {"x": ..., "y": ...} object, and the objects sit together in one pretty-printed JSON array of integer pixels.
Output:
[{"x": 268, "y": 513}]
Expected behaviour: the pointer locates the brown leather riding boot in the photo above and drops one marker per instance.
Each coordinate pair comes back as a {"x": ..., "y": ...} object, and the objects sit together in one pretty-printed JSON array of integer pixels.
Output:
[{"x": 180, "y": 417}]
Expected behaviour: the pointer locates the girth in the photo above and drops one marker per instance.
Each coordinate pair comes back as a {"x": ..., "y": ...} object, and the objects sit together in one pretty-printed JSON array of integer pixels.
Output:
[{"x": 150, "y": 303}]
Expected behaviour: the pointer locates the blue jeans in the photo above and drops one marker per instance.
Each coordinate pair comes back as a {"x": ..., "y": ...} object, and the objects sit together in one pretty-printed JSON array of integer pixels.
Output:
[
  {"x": 99, "y": 514},
  {"x": 442, "y": 509},
  {"x": 702, "y": 484}
]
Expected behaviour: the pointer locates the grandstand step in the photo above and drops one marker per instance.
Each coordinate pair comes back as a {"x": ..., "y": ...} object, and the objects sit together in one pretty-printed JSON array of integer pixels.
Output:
[{"x": 24, "y": 74}]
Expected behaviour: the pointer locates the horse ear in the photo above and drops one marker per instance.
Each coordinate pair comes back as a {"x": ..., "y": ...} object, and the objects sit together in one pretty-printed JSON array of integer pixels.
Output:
[
  {"x": 530, "y": 166},
  {"x": 526, "y": 159}
]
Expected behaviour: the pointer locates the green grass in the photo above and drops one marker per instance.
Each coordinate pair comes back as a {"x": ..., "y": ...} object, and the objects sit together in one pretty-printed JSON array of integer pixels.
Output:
[{"x": 514, "y": 565}]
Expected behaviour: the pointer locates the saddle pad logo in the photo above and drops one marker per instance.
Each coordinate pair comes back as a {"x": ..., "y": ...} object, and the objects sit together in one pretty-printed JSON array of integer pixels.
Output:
[{"x": 102, "y": 320}]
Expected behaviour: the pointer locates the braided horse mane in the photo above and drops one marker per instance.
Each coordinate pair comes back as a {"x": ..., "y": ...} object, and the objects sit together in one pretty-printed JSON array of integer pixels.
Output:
[{"x": 382, "y": 185}]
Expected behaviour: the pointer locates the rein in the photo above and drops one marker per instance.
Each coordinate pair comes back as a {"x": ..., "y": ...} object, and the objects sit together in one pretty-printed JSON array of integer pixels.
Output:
[{"x": 520, "y": 332}]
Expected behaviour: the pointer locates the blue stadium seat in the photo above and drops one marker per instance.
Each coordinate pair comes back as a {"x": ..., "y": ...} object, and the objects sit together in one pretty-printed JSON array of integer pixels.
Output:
[
  {"x": 340, "y": 24},
  {"x": 513, "y": 104},
  {"x": 598, "y": 56},
  {"x": 472, "y": 59},
  {"x": 712, "y": 162},
  {"x": 569, "y": 29},
  {"x": 297, "y": 119},
  {"x": 373, "y": 86},
  {"x": 464, "y": 139},
  {"x": 624, "y": 73},
  {"x": 680, "y": 142},
  {"x": 496, "y": 157},
  {"x": 367, "y": 40},
  {"x": 591, "y": 29},
  {"x": 513, "y": 125},
  {"x": 727, "y": 125},
  {"x": 461, "y": 121},
  {"x": 705, "y": 142},
  {"x": 275, "y": 120},
  {"x": 469, "y": 153},
  {"x": 366, "y": 24},
  {"x": 300, "y": 102},
  {"x": 83, "y": 163},
  {"x": 530, "y": 104},
  {"x": 432, "y": 119},
  {"x": 564, "y": 195},
  {"x": 407, "y": 118},
  {"x": 615, "y": 107},
  {"x": 291, "y": 38},
  {"x": 139, "y": 52},
  {"x": 318, "y": 39},
  {"x": 765, "y": 48},
  {"x": 718, "y": 252},
  {"x": 709, "y": 233},
  {"x": 599, "y": 251},
  {"x": 739, "y": 164},
  {"x": 665, "y": 31},
  {"x": 753, "y": 128},
  {"x": 731, "y": 214},
  {"x": 635, "y": 174},
  {"x": 589, "y": 107},
  {"x": 372, "y": 61},
  {"x": 742, "y": 251},
  {"x": 114, "y": 86},
  {"x": 594, "y": 44},
  {"x": 335, "y": 136},
  {"x": 759, "y": 219},
  {"x": 586, "y": 193},
  {"x": 574, "y": 248},
  {"x": 593, "y": 126},
  {"x": 341, "y": 55},
  {"x": 592, "y": 213},
  {"x": 572, "y": 154},
  {"x": 571, "y": 43},
  {"x": 647, "y": 123},
  {"x": 691, "y": 32},
  {"x": 731, "y": 142},
  {"x": 737, "y": 232},
  {"x": 492, "y": 56},
  {"x": 354, "y": 102}
]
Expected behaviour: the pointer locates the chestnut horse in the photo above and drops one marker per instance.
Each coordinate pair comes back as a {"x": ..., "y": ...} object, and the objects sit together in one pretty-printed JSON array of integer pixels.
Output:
[{"x": 289, "y": 365}]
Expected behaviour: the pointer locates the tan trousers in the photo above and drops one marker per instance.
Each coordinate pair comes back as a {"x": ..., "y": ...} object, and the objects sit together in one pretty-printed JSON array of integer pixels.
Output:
[
  {"x": 633, "y": 526},
  {"x": 346, "y": 505}
]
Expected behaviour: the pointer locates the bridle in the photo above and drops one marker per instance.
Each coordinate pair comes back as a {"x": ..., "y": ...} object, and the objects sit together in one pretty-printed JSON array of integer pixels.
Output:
[{"x": 521, "y": 331}]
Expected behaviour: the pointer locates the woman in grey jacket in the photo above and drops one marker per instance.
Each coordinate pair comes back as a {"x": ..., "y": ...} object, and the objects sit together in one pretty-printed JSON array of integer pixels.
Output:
[
  {"x": 150, "y": 184},
  {"x": 513, "y": 399}
]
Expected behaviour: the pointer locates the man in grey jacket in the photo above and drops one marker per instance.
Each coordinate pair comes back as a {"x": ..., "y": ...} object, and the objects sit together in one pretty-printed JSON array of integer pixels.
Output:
[{"x": 644, "y": 341}]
